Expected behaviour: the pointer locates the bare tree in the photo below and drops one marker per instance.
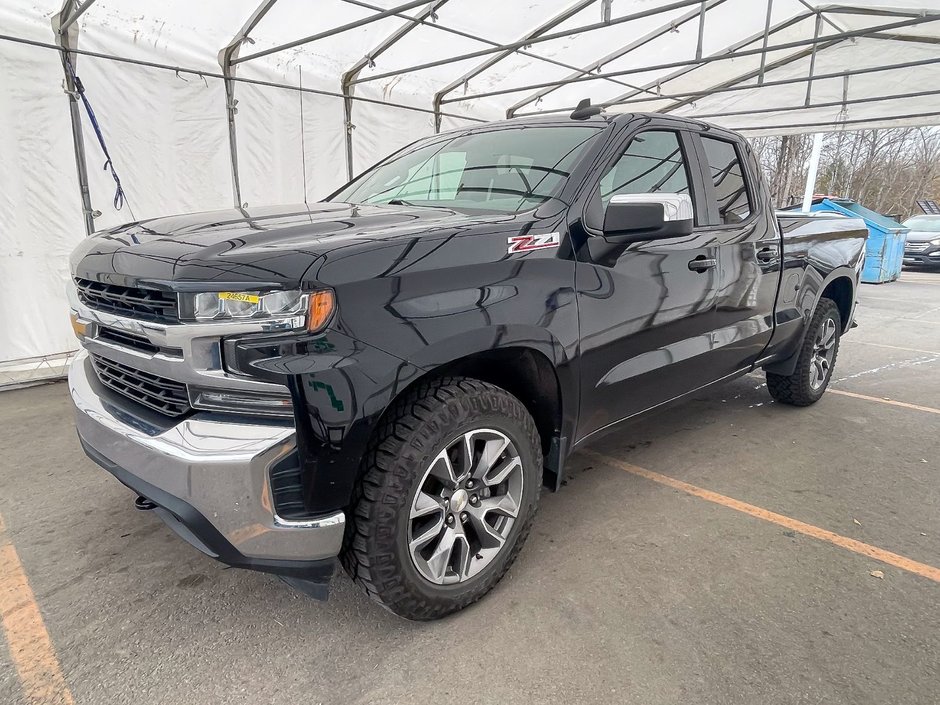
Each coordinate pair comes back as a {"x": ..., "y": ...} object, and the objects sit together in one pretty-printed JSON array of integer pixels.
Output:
[{"x": 885, "y": 170}]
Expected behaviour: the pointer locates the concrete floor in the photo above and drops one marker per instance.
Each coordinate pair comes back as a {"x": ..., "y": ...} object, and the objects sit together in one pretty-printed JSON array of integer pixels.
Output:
[{"x": 627, "y": 591}]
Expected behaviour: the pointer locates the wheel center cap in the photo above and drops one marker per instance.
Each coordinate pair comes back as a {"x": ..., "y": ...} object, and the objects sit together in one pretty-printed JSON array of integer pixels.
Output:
[{"x": 459, "y": 500}]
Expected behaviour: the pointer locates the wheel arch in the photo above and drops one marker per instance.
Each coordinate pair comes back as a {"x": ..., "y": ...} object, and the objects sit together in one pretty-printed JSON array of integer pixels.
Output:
[
  {"x": 841, "y": 289},
  {"x": 529, "y": 364},
  {"x": 839, "y": 285}
]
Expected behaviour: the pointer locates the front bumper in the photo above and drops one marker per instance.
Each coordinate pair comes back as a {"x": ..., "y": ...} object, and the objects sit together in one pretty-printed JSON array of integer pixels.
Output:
[
  {"x": 930, "y": 256},
  {"x": 209, "y": 477}
]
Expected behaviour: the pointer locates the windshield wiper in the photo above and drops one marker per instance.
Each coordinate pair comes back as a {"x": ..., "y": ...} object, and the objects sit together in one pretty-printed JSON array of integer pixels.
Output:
[{"x": 403, "y": 202}]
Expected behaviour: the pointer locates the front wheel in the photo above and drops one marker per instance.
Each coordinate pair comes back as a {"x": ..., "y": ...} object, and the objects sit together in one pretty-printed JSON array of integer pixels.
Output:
[
  {"x": 448, "y": 493},
  {"x": 817, "y": 360}
]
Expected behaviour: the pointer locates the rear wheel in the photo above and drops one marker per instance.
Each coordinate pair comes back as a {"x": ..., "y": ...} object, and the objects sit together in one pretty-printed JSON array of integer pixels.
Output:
[
  {"x": 817, "y": 360},
  {"x": 446, "y": 499}
]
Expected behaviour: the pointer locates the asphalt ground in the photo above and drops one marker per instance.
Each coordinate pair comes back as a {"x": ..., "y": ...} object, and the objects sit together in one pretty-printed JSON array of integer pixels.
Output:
[{"x": 728, "y": 550}]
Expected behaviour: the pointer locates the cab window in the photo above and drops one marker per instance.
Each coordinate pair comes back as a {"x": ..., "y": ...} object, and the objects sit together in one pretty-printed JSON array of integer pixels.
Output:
[
  {"x": 652, "y": 163},
  {"x": 727, "y": 176}
]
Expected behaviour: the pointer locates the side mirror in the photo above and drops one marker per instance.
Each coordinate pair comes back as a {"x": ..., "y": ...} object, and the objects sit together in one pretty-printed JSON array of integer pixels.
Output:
[{"x": 648, "y": 216}]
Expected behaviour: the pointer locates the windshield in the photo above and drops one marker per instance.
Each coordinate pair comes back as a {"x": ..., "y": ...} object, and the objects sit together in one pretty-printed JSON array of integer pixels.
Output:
[
  {"x": 930, "y": 223},
  {"x": 507, "y": 170}
]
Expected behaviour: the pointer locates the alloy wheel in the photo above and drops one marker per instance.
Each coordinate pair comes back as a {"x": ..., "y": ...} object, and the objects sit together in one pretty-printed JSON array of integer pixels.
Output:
[
  {"x": 823, "y": 352},
  {"x": 465, "y": 507}
]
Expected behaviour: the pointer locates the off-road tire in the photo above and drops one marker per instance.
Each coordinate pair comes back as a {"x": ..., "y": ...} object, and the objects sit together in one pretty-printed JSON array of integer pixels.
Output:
[
  {"x": 375, "y": 552},
  {"x": 796, "y": 389}
]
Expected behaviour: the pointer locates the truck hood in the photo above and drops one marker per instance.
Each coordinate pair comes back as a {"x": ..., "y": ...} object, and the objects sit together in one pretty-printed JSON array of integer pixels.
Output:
[{"x": 273, "y": 245}]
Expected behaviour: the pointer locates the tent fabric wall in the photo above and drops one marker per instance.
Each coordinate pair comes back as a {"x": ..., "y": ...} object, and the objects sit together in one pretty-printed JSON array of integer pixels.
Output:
[
  {"x": 168, "y": 130},
  {"x": 40, "y": 214}
]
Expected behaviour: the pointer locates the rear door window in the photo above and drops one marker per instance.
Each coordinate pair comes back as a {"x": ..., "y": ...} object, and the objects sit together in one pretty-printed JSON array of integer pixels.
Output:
[{"x": 727, "y": 175}]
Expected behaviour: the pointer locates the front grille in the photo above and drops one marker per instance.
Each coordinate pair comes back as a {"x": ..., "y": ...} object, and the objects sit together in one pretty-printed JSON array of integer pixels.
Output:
[
  {"x": 158, "y": 393},
  {"x": 149, "y": 304},
  {"x": 128, "y": 340},
  {"x": 916, "y": 246}
]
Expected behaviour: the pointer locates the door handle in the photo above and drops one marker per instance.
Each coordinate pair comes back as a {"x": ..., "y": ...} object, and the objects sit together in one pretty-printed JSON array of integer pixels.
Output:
[
  {"x": 702, "y": 263},
  {"x": 767, "y": 254}
]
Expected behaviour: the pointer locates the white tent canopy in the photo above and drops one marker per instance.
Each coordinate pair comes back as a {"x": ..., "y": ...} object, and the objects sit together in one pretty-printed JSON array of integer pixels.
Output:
[{"x": 208, "y": 104}]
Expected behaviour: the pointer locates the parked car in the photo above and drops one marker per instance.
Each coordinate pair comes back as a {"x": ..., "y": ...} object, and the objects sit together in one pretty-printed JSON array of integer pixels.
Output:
[
  {"x": 391, "y": 376},
  {"x": 923, "y": 240}
]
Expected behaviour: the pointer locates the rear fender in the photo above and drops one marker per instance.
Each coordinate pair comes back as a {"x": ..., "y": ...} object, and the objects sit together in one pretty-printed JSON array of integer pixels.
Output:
[{"x": 811, "y": 291}]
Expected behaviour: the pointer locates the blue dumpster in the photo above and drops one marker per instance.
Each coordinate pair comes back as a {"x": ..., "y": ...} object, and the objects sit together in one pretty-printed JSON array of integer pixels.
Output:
[{"x": 884, "y": 252}]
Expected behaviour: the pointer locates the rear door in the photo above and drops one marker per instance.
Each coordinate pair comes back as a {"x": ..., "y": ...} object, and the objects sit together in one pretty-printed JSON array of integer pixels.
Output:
[
  {"x": 742, "y": 225},
  {"x": 647, "y": 309}
]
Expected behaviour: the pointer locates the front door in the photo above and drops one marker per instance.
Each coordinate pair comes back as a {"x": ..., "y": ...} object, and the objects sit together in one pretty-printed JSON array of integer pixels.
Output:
[{"x": 647, "y": 309}]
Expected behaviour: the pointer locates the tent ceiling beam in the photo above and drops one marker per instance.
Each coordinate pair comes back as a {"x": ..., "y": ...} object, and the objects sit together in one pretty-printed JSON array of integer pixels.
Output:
[
  {"x": 535, "y": 40},
  {"x": 812, "y": 60},
  {"x": 911, "y": 38},
  {"x": 356, "y": 24},
  {"x": 767, "y": 84},
  {"x": 933, "y": 17},
  {"x": 738, "y": 80},
  {"x": 834, "y": 126},
  {"x": 504, "y": 52},
  {"x": 618, "y": 54},
  {"x": 766, "y": 39},
  {"x": 72, "y": 17},
  {"x": 817, "y": 11},
  {"x": 466, "y": 35},
  {"x": 873, "y": 11},
  {"x": 828, "y": 104},
  {"x": 780, "y": 26}
]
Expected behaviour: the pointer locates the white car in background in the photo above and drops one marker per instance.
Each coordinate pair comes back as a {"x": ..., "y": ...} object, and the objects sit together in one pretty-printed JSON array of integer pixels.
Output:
[{"x": 923, "y": 240}]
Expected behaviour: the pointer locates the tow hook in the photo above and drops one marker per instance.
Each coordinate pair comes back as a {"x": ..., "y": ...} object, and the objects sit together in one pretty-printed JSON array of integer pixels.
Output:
[{"x": 144, "y": 504}]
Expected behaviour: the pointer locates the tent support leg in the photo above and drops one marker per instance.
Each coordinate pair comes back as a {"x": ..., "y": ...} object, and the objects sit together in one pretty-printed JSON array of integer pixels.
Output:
[
  {"x": 231, "y": 110},
  {"x": 348, "y": 129},
  {"x": 812, "y": 171},
  {"x": 227, "y": 57},
  {"x": 66, "y": 37}
]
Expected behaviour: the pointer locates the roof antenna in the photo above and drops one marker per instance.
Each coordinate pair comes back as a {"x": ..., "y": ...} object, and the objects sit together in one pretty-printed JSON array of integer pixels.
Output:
[{"x": 585, "y": 110}]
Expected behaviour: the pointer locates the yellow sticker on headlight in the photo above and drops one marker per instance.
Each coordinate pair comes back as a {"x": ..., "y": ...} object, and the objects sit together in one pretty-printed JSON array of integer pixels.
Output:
[{"x": 239, "y": 296}]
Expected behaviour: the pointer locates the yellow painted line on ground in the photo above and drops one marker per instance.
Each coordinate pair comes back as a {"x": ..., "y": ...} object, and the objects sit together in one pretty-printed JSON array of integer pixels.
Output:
[
  {"x": 864, "y": 549},
  {"x": 896, "y": 347},
  {"x": 26, "y": 636},
  {"x": 889, "y": 402}
]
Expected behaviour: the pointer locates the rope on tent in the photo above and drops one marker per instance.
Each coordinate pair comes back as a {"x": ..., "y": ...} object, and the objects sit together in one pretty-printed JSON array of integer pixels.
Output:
[{"x": 119, "y": 198}]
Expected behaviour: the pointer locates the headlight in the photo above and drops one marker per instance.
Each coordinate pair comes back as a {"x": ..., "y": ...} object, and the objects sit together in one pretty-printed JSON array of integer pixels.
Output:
[
  {"x": 935, "y": 243},
  {"x": 312, "y": 309}
]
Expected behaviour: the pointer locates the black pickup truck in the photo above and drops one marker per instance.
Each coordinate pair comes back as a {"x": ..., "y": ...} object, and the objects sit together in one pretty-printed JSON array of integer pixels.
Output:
[{"x": 392, "y": 375}]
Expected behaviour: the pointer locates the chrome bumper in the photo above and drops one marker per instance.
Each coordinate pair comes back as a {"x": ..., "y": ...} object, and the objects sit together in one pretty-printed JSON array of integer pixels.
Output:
[{"x": 220, "y": 469}]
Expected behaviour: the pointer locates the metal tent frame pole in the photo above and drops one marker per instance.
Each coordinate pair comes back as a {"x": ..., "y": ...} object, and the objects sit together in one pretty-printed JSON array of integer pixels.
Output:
[
  {"x": 732, "y": 48},
  {"x": 226, "y": 60},
  {"x": 330, "y": 32},
  {"x": 779, "y": 82},
  {"x": 812, "y": 171},
  {"x": 514, "y": 46},
  {"x": 620, "y": 53},
  {"x": 502, "y": 53},
  {"x": 369, "y": 60},
  {"x": 931, "y": 17},
  {"x": 66, "y": 38},
  {"x": 441, "y": 27},
  {"x": 815, "y": 106}
]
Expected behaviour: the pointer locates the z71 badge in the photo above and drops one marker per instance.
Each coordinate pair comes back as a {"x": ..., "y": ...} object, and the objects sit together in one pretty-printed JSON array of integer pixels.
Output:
[{"x": 526, "y": 243}]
